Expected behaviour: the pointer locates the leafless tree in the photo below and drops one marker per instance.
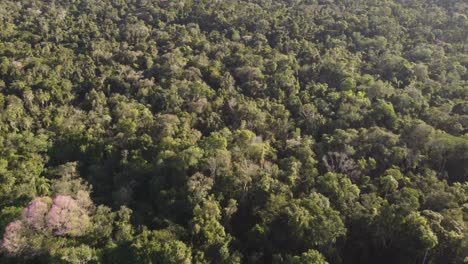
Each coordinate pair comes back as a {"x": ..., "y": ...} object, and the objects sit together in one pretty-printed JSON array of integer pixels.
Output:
[{"x": 340, "y": 162}]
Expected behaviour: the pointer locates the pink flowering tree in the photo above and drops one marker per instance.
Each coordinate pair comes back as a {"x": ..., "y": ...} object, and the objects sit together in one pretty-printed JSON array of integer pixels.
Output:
[
  {"x": 14, "y": 242},
  {"x": 34, "y": 214},
  {"x": 66, "y": 217}
]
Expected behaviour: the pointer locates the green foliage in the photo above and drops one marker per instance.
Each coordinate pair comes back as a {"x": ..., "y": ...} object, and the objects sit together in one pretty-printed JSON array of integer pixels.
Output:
[
  {"x": 233, "y": 131},
  {"x": 310, "y": 256},
  {"x": 159, "y": 247}
]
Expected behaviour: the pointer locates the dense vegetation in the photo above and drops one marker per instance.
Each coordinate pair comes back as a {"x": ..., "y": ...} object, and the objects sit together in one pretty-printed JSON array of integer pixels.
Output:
[{"x": 234, "y": 131}]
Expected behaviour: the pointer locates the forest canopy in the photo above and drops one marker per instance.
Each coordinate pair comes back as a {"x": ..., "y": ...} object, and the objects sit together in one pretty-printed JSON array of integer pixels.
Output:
[{"x": 234, "y": 131}]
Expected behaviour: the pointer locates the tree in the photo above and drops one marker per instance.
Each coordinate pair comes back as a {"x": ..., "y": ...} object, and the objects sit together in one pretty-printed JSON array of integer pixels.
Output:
[
  {"x": 67, "y": 217},
  {"x": 342, "y": 193},
  {"x": 211, "y": 242},
  {"x": 160, "y": 247},
  {"x": 310, "y": 256},
  {"x": 299, "y": 224}
]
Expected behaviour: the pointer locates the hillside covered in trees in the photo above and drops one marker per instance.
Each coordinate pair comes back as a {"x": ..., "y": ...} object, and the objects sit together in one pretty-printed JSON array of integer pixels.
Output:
[{"x": 234, "y": 131}]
